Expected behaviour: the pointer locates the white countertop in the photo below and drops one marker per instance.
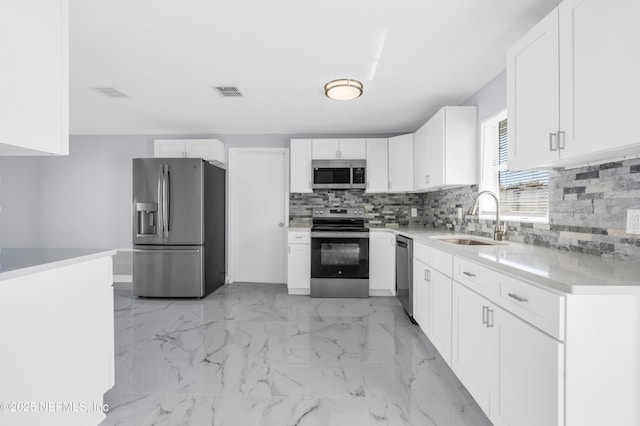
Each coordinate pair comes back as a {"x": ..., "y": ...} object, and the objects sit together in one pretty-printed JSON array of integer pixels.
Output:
[
  {"x": 567, "y": 272},
  {"x": 16, "y": 262}
]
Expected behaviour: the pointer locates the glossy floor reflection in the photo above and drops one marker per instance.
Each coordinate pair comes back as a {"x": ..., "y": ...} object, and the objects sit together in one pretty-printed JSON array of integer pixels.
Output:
[{"x": 249, "y": 354}]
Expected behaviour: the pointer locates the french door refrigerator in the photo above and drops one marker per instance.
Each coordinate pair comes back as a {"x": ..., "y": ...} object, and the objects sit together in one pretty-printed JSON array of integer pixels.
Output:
[{"x": 178, "y": 227}]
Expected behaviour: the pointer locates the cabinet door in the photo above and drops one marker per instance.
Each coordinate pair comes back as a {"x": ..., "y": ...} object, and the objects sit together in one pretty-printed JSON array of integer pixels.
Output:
[
  {"x": 441, "y": 314},
  {"x": 299, "y": 267},
  {"x": 528, "y": 374},
  {"x": 421, "y": 158},
  {"x": 34, "y": 77},
  {"x": 422, "y": 295},
  {"x": 207, "y": 149},
  {"x": 599, "y": 69},
  {"x": 377, "y": 165},
  {"x": 532, "y": 96},
  {"x": 353, "y": 149},
  {"x": 325, "y": 149},
  {"x": 471, "y": 343},
  {"x": 300, "y": 165},
  {"x": 382, "y": 263},
  {"x": 436, "y": 139},
  {"x": 401, "y": 163},
  {"x": 169, "y": 148}
]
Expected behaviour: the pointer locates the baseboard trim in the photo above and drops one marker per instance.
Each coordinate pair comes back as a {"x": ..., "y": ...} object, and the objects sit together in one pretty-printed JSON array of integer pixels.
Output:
[
  {"x": 383, "y": 293},
  {"x": 299, "y": 291}
]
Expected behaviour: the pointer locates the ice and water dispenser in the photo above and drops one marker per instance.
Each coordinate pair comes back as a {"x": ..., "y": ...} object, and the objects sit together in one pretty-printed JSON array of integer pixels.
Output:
[{"x": 147, "y": 218}]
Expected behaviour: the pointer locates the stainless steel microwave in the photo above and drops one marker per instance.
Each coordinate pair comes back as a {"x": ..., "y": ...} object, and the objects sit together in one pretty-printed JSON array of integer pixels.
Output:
[{"x": 338, "y": 174}]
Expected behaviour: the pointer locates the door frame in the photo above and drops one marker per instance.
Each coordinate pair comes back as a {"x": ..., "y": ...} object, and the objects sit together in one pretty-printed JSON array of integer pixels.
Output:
[{"x": 234, "y": 153}]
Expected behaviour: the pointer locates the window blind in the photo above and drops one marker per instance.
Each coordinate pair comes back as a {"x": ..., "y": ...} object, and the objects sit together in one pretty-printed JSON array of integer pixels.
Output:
[{"x": 523, "y": 194}]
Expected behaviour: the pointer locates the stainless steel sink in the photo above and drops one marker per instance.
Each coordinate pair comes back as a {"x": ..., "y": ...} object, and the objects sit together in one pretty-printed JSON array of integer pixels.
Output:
[{"x": 468, "y": 242}]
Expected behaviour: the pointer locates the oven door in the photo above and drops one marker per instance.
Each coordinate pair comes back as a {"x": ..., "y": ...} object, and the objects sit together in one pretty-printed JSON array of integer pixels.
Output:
[{"x": 340, "y": 255}]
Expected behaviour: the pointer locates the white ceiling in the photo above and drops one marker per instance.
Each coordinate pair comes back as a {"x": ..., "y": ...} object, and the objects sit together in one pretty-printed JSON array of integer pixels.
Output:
[{"x": 413, "y": 57}]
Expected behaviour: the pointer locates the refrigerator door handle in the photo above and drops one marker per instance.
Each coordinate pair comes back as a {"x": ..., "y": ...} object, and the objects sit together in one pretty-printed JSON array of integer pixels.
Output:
[
  {"x": 165, "y": 199},
  {"x": 179, "y": 251},
  {"x": 160, "y": 199}
]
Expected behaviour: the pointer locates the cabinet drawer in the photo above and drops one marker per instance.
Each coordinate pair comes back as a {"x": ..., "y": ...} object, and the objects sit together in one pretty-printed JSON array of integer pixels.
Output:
[
  {"x": 539, "y": 307},
  {"x": 422, "y": 253},
  {"x": 442, "y": 262},
  {"x": 476, "y": 277},
  {"x": 299, "y": 237}
]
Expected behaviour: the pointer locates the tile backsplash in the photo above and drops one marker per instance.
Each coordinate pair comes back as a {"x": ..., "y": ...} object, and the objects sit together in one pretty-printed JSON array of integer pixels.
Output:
[
  {"x": 587, "y": 210},
  {"x": 381, "y": 209}
]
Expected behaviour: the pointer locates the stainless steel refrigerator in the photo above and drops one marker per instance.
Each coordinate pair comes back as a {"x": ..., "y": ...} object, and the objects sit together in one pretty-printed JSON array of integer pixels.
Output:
[{"x": 178, "y": 227}]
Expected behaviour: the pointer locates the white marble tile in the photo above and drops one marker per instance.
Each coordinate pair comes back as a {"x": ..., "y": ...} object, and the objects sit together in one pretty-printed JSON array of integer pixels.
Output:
[{"x": 250, "y": 354}]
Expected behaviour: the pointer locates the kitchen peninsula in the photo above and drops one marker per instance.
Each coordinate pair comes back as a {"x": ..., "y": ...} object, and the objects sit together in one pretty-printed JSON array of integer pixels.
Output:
[{"x": 57, "y": 357}]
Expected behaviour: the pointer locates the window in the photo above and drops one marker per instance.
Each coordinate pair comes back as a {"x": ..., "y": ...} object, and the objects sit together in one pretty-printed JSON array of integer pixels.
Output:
[{"x": 524, "y": 195}]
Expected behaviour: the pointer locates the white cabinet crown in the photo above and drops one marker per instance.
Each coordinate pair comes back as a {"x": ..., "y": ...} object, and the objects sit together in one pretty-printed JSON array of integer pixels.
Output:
[{"x": 208, "y": 149}]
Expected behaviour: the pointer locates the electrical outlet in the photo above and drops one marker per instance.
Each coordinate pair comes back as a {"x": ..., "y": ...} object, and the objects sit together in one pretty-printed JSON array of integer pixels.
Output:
[
  {"x": 414, "y": 212},
  {"x": 633, "y": 221}
]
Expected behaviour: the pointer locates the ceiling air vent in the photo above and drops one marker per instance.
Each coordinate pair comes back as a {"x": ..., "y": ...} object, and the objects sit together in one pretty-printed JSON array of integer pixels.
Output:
[
  {"x": 228, "y": 91},
  {"x": 110, "y": 92}
]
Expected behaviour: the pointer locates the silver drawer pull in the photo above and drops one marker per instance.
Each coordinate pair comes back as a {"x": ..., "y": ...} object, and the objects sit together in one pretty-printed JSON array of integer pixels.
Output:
[
  {"x": 469, "y": 274},
  {"x": 518, "y": 298},
  {"x": 485, "y": 312}
]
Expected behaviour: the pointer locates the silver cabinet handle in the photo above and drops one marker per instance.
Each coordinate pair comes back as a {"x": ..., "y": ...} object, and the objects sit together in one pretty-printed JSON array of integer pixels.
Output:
[
  {"x": 552, "y": 137},
  {"x": 485, "y": 310},
  {"x": 429, "y": 275},
  {"x": 469, "y": 274},
  {"x": 489, "y": 318},
  {"x": 518, "y": 298},
  {"x": 561, "y": 137}
]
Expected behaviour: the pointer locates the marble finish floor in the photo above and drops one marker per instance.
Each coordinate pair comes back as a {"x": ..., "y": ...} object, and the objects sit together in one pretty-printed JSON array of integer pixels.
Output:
[{"x": 250, "y": 354}]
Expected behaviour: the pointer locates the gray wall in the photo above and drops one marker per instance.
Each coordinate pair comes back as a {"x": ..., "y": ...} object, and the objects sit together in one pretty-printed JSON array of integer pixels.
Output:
[{"x": 84, "y": 199}]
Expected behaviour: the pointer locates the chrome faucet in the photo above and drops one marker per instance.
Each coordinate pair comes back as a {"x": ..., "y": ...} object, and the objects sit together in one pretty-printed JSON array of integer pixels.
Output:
[{"x": 499, "y": 230}]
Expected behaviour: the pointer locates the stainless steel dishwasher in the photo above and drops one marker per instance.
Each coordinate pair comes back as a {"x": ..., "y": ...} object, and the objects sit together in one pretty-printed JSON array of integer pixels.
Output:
[{"x": 404, "y": 273}]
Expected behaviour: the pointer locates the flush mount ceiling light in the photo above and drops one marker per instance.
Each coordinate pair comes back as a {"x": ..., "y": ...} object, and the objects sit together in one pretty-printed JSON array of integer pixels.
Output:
[{"x": 343, "y": 89}]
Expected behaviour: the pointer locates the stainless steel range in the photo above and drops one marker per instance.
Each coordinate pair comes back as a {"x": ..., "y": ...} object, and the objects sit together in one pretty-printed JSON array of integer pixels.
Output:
[{"x": 339, "y": 253}]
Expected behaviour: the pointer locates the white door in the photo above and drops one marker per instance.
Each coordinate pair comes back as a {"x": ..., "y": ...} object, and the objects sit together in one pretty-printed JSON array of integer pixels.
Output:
[
  {"x": 422, "y": 295},
  {"x": 353, "y": 149},
  {"x": 169, "y": 148},
  {"x": 300, "y": 157},
  {"x": 382, "y": 263},
  {"x": 401, "y": 163},
  {"x": 258, "y": 209},
  {"x": 325, "y": 149}
]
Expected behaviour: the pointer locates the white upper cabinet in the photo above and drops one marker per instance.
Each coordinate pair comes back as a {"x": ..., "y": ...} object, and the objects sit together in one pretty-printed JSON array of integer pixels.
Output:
[
  {"x": 572, "y": 84},
  {"x": 208, "y": 149},
  {"x": 445, "y": 149},
  {"x": 532, "y": 97},
  {"x": 34, "y": 77},
  {"x": 401, "y": 163},
  {"x": 347, "y": 149},
  {"x": 377, "y": 165},
  {"x": 300, "y": 167}
]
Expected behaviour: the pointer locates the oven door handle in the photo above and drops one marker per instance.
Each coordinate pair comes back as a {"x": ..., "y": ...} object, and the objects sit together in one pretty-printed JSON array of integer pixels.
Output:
[{"x": 321, "y": 234}]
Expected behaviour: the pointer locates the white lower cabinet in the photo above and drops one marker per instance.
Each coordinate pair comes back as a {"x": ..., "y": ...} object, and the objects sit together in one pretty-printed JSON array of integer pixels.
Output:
[
  {"x": 514, "y": 371},
  {"x": 527, "y": 375},
  {"x": 471, "y": 344},
  {"x": 441, "y": 296},
  {"x": 382, "y": 263},
  {"x": 422, "y": 295},
  {"x": 299, "y": 262}
]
